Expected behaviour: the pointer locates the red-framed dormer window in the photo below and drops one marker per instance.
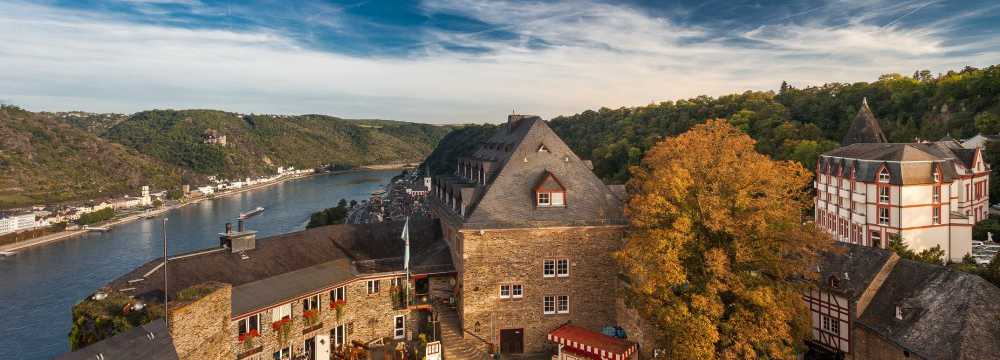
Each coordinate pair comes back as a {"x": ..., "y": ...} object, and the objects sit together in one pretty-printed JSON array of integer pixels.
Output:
[
  {"x": 550, "y": 192},
  {"x": 883, "y": 175}
]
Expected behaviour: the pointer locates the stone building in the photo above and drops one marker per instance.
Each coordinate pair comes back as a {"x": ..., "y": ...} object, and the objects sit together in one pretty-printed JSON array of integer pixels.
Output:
[
  {"x": 301, "y": 295},
  {"x": 213, "y": 137},
  {"x": 927, "y": 193},
  {"x": 531, "y": 230},
  {"x": 870, "y": 304}
]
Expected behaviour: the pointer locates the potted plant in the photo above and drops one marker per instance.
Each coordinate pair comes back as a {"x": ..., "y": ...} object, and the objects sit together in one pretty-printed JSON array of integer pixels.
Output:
[
  {"x": 282, "y": 328},
  {"x": 338, "y": 307},
  {"x": 310, "y": 317},
  {"x": 247, "y": 338}
]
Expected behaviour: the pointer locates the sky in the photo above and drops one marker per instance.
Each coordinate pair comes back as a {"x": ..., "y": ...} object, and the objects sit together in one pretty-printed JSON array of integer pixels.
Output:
[{"x": 464, "y": 61}]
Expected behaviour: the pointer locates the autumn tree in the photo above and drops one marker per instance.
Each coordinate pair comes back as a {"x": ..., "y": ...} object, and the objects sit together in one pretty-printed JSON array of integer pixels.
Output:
[{"x": 718, "y": 253}]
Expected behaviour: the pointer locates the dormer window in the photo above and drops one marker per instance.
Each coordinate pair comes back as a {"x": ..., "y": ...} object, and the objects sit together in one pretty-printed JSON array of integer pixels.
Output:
[
  {"x": 883, "y": 176},
  {"x": 937, "y": 174},
  {"x": 550, "y": 192},
  {"x": 542, "y": 148}
]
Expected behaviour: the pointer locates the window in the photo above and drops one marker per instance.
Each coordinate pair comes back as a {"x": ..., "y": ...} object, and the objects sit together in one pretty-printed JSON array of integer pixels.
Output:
[
  {"x": 937, "y": 176},
  {"x": 562, "y": 267},
  {"x": 562, "y": 304},
  {"x": 883, "y": 194},
  {"x": 558, "y": 199},
  {"x": 883, "y": 216},
  {"x": 504, "y": 291},
  {"x": 549, "y": 268},
  {"x": 876, "y": 239},
  {"x": 372, "y": 287},
  {"x": 283, "y": 354},
  {"x": 517, "y": 291},
  {"x": 830, "y": 324},
  {"x": 936, "y": 195},
  {"x": 310, "y": 303},
  {"x": 883, "y": 176},
  {"x": 936, "y": 215},
  {"x": 281, "y": 312},
  {"x": 394, "y": 282},
  {"x": 399, "y": 327},
  {"x": 544, "y": 199},
  {"x": 250, "y": 323},
  {"x": 337, "y": 334},
  {"x": 549, "y": 305},
  {"x": 338, "y": 295}
]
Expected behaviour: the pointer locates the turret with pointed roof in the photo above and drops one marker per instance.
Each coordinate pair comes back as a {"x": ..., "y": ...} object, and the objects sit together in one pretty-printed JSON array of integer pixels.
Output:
[{"x": 865, "y": 128}]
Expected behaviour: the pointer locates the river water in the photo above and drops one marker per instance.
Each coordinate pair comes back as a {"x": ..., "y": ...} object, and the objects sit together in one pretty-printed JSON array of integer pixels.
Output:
[{"x": 39, "y": 285}]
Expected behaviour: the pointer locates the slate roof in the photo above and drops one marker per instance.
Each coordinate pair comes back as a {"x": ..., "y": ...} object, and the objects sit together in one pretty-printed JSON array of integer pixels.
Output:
[
  {"x": 515, "y": 166},
  {"x": 908, "y": 163},
  {"x": 947, "y": 314},
  {"x": 148, "y": 342},
  {"x": 864, "y": 128},
  {"x": 295, "y": 264},
  {"x": 854, "y": 268}
]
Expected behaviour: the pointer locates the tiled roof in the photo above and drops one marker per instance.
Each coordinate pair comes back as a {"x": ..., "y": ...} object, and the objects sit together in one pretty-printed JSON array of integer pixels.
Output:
[
  {"x": 864, "y": 128},
  {"x": 853, "y": 266},
  {"x": 516, "y": 166},
  {"x": 148, "y": 342},
  {"x": 908, "y": 163},
  {"x": 947, "y": 314},
  {"x": 592, "y": 342},
  {"x": 303, "y": 261}
]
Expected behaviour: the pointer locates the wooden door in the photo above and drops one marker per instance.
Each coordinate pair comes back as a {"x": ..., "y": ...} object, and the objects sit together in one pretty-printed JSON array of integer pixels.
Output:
[{"x": 512, "y": 341}]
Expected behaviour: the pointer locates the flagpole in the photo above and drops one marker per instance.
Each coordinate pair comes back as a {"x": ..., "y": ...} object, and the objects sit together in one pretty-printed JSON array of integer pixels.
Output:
[{"x": 406, "y": 260}]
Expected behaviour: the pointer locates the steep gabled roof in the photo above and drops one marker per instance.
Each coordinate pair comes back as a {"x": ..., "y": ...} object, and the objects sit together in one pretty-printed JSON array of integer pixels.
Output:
[
  {"x": 947, "y": 314},
  {"x": 865, "y": 128},
  {"x": 507, "y": 198}
]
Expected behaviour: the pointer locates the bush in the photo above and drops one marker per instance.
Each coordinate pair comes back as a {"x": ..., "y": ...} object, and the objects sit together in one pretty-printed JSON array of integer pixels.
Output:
[
  {"x": 96, "y": 216},
  {"x": 331, "y": 216}
]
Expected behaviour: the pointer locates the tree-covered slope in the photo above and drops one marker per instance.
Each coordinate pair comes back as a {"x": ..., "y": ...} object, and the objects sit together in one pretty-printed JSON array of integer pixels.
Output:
[
  {"x": 43, "y": 159},
  {"x": 460, "y": 142},
  {"x": 796, "y": 124},
  {"x": 258, "y": 144}
]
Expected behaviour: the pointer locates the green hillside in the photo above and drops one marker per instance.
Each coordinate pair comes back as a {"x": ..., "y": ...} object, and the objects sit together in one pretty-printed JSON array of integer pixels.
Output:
[
  {"x": 796, "y": 124},
  {"x": 258, "y": 144},
  {"x": 460, "y": 142},
  {"x": 43, "y": 159}
]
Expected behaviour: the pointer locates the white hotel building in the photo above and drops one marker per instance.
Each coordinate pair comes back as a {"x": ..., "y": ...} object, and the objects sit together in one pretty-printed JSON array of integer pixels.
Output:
[{"x": 928, "y": 193}]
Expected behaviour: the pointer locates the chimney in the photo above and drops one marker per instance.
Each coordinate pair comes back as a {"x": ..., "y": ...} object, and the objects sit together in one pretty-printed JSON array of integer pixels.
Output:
[
  {"x": 239, "y": 241},
  {"x": 240, "y": 225},
  {"x": 229, "y": 228}
]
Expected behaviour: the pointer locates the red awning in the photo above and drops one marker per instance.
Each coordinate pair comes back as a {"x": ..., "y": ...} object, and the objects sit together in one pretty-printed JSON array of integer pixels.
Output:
[{"x": 590, "y": 342}]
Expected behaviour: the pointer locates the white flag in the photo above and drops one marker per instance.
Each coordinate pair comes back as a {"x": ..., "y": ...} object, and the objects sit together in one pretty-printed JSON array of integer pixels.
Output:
[{"x": 406, "y": 240}]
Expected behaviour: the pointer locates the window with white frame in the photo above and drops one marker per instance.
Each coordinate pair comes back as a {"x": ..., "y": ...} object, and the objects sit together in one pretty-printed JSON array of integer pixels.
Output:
[
  {"x": 562, "y": 267},
  {"x": 338, "y": 294},
  {"x": 936, "y": 215},
  {"x": 399, "y": 327},
  {"x": 337, "y": 335},
  {"x": 281, "y": 312},
  {"x": 544, "y": 199},
  {"x": 372, "y": 287},
  {"x": 249, "y": 323},
  {"x": 883, "y": 216},
  {"x": 548, "y": 268},
  {"x": 876, "y": 237},
  {"x": 830, "y": 324},
  {"x": 394, "y": 281},
  {"x": 505, "y": 291},
  {"x": 549, "y": 305},
  {"x": 562, "y": 304},
  {"x": 310, "y": 303},
  {"x": 283, "y": 354},
  {"x": 936, "y": 194},
  {"x": 937, "y": 175},
  {"x": 883, "y": 194},
  {"x": 517, "y": 291},
  {"x": 883, "y": 176}
]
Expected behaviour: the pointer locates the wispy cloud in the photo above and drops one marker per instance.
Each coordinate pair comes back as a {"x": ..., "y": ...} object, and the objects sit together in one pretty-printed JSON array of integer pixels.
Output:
[{"x": 554, "y": 58}]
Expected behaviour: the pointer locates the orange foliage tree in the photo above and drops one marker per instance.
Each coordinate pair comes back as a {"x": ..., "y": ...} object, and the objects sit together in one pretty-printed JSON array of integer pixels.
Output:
[{"x": 718, "y": 253}]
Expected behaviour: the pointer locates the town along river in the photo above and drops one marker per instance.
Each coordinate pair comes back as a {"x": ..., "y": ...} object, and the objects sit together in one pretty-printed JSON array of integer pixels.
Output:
[{"x": 40, "y": 285}]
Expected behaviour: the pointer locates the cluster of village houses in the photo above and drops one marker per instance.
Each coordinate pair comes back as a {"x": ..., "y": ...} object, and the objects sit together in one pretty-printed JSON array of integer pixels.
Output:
[{"x": 515, "y": 259}]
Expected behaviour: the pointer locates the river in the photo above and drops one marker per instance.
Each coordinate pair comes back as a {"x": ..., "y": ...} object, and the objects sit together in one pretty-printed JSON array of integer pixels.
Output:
[{"x": 39, "y": 285}]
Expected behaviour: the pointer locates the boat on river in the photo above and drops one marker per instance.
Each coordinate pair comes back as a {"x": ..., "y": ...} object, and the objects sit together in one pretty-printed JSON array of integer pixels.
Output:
[{"x": 248, "y": 214}]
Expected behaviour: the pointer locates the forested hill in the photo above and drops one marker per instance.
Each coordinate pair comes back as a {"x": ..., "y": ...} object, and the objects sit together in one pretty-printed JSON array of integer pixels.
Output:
[
  {"x": 796, "y": 124},
  {"x": 48, "y": 157},
  {"x": 258, "y": 144},
  {"x": 44, "y": 159}
]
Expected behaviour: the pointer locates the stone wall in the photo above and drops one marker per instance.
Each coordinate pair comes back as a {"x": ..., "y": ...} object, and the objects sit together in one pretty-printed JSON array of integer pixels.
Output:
[
  {"x": 636, "y": 328},
  {"x": 199, "y": 328},
  {"x": 365, "y": 317},
  {"x": 868, "y": 345},
  {"x": 516, "y": 256}
]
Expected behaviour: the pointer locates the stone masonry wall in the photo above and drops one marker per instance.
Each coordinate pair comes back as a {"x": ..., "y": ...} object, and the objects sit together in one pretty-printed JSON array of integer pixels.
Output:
[
  {"x": 365, "y": 318},
  {"x": 199, "y": 329},
  {"x": 868, "y": 345},
  {"x": 516, "y": 256},
  {"x": 636, "y": 328}
]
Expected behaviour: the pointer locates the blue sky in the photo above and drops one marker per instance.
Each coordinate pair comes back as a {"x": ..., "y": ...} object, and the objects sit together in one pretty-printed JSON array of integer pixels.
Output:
[{"x": 447, "y": 61}]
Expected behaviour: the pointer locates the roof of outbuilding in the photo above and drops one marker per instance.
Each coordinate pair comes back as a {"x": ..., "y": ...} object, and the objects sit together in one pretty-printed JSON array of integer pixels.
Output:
[
  {"x": 150, "y": 341},
  {"x": 853, "y": 266},
  {"x": 301, "y": 262},
  {"x": 947, "y": 314}
]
